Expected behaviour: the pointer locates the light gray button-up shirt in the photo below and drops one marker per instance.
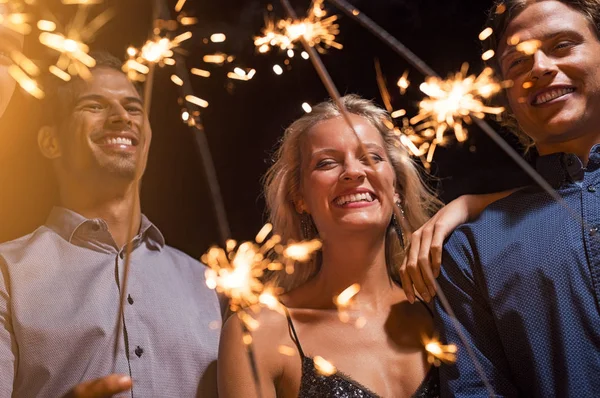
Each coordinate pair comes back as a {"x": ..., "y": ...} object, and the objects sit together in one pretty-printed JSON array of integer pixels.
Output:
[{"x": 59, "y": 298}]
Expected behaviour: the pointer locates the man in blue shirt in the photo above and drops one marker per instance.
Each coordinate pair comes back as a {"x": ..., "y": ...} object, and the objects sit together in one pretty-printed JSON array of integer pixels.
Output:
[
  {"x": 524, "y": 279},
  {"x": 60, "y": 285}
]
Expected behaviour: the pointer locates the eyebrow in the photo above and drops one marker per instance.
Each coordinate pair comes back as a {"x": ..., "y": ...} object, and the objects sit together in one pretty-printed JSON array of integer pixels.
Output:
[
  {"x": 367, "y": 146},
  {"x": 513, "y": 48},
  {"x": 96, "y": 97}
]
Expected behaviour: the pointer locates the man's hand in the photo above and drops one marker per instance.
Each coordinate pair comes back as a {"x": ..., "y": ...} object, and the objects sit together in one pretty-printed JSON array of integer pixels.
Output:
[{"x": 101, "y": 388}]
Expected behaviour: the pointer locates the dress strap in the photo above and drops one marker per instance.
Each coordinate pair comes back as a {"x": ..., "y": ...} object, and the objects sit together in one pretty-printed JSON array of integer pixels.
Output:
[{"x": 292, "y": 331}]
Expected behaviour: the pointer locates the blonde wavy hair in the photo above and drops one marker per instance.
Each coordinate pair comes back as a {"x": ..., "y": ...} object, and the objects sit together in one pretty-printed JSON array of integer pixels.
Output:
[{"x": 282, "y": 185}]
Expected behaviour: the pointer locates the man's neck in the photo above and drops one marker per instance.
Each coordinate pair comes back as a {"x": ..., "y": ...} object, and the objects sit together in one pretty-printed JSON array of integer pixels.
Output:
[
  {"x": 580, "y": 146},
  {"x": 116, "y": 206}
]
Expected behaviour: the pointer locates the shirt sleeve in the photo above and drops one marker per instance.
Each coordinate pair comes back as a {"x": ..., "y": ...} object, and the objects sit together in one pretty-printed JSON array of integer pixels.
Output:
[
  {"x": 458, "y": 281},
  {"x": 8, "y": 345}
]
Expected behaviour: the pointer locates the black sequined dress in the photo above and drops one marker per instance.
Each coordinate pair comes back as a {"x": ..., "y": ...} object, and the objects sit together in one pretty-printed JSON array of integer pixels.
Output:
[{"x": 340, "y": 385}]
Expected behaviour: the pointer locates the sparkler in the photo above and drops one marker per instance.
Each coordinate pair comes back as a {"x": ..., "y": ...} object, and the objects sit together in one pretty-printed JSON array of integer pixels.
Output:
[
  {"x": 14, "y": 17},
  {"x": 74, "y": 59},
  {"x": 236, "y": 271},
  {"x": 453, "y": 101},
  {"x": 318, "y": 30},
  {"x": 438, "y": 353}
]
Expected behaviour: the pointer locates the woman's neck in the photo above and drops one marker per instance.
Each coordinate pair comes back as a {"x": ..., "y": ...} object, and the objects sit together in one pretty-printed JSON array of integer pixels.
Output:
[{"x": 356, "y": 260}]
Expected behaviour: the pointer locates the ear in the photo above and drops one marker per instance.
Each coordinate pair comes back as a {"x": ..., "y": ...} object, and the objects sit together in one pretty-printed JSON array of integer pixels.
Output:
[
  {"x": 300, "y": 206},
  {"x": 48, "y": 142},
  {"x": 397, "y": 197}
]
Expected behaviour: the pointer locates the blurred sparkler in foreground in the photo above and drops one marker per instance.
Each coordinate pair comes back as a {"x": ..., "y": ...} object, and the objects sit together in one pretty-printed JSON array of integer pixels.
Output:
[
  {"x": 317, "y": 29},
  {"x": 438, "y": 353},
  {"x": 74, "y": 59},
  {"x": 13, "y": 16},
  {"x": 236, "y": 271}
]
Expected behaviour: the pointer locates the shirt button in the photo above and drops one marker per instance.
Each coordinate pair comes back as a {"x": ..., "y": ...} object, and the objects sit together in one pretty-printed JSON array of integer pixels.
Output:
[
  {"x": 139, "y": 351},
  {"x": 129, "y": 299},
  {"x": 593, "y": 231},
  {"x": 591, "y": 189}
]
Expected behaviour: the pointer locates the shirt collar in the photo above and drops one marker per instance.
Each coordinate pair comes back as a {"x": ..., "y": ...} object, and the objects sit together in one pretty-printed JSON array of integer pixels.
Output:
[
  {"x": 562, "y": 168},
  {"x": 69, "y": 224}
]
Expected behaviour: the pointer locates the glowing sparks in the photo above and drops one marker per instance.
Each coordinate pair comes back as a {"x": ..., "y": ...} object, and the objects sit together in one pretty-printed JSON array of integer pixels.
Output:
[
  {"x": 241, "y": 74},
  {"x": 215, "y": 58},
  {"x": 177, "y": 80},
  {"x": 403, "y": 83},
  {"x": 200, "y": 72},
  {"x": 489, "y": 54},
  {"x": 71, "y": 44},
  {"x": 438, "y": 353},
  {"x": 13, "y": 17},
  {"x": 196, "y": 101},
  {"x": 46, "y": 26},
  {"x": 317, "y": 29},
  {"x": 179, "y": 5},
  {"x": 324, "y": 367},
  {"x": 487, "y": 32},
  {"x": 277, "y": 69},
  {"x": 398, "y": 113},
  {"x": 307, "y": 108},
  {"x": 343, "y": 300},
  {"x": 286, "y": 350},
  {"x": 218, "y": 38},
  {"x": 236, "y": 271},
  {"x": 529, "y": 47},
  {"x": 449, "y": 103}
]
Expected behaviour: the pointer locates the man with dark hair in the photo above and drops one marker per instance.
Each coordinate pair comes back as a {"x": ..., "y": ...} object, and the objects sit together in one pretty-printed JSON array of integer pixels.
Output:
[
  {"x": 60, "y": 285},
  {"x": 524, "y": 279}
]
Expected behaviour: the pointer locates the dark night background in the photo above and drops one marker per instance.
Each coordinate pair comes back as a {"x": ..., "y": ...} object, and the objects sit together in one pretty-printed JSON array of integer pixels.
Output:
[{"x": 245, "y": 119}]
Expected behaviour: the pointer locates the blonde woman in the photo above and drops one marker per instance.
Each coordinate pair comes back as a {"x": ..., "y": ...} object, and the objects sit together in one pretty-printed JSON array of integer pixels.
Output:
[{"x": 322, "y": 185}]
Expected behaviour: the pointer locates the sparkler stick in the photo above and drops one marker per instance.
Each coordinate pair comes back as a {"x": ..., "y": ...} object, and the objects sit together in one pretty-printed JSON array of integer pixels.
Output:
[{"x": 135, "y": 203}]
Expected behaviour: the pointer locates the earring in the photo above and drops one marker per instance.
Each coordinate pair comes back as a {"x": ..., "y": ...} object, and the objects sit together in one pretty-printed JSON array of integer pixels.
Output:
[
  {"x": 307, "y": 226},
  {"x": 398, "y": 226}
]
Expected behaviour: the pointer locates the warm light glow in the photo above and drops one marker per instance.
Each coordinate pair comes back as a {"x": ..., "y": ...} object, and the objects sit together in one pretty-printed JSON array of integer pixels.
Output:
[
  {"x": 398, "y": 113},
  {"x": 218, "y": 38},
  {"x": 529, "y": 47},
  {"x": 47, "y": 26},
  {"x": 196, "y": 101},
  {"x": 324, "y": 367},
  {"x": 317, "y": 30},
  {"x": 489, "y": 54},
  {"x": 237, "y": 270},
  {"x": 277, "y": 69},
  {"x": 438, "y": 353},
  {"x": 214, "y": 58},
  {"x": 403, "y": 82},
  {"x": 487, "y": 32},
  {"x": 200, "y": 72},
  {"x": 343, "y": 300},
  {"x": 307, "y": 108},
  {"x": 177, "y": 80}
]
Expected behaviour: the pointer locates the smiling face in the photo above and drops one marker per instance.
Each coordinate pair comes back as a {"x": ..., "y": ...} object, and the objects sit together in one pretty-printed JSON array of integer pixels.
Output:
[
  {"x": 556, "y": 93},
  {"x": 9, "y": 41},
  {"x": 338, "y": 187},
  {"x": 105, "y": 131}
]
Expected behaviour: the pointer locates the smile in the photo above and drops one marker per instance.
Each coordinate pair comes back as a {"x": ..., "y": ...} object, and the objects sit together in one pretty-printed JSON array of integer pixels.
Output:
[
  {"x": 550, "y": 95},
  {"x": 120, "y": 140},
  {"x": 355, "y": 198}
]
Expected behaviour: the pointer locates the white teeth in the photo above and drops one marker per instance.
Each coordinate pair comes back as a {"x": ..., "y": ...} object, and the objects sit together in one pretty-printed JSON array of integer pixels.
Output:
[
  {"x": 118, "y": 141},
  {"x": 357, "y": 197},
  {"x": 553, "y": 94}
]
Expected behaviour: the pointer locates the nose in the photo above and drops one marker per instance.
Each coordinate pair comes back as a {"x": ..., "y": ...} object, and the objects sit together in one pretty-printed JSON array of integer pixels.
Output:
[
  {"x": 119, "y": 117},
  {"x": 543, "y": 66},
  {"x": 353, "y": 170}
]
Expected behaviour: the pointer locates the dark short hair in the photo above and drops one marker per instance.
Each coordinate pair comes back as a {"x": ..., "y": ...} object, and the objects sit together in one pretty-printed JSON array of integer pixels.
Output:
[
  {"x": 60, "y": 95},
  {"x": 500, "y": 16}
]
